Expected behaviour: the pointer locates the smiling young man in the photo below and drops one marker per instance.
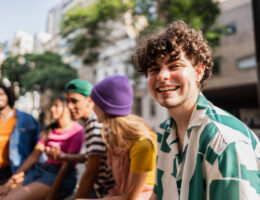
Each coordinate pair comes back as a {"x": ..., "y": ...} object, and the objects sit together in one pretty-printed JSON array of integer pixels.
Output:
[{"x": 203, "y": 151}]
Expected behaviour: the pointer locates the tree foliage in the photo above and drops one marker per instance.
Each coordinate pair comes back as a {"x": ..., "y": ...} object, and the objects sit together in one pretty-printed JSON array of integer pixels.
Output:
[
  {"x": 38, "y": 72},
  {"x": 91, "y": 21},
  {"x": 199, "y": 14}
]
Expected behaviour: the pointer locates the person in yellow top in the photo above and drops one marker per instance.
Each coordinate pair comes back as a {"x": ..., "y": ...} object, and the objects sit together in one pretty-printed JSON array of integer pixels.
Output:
[
  {"x": 130, "y": 141},
  {"x": 19, "y": 132}
]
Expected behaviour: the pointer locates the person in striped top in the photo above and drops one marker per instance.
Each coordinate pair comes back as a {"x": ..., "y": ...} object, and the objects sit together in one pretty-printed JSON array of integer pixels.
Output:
[
  {"x": 97, "y": 179},
  {"x": 203, "y": 151}
]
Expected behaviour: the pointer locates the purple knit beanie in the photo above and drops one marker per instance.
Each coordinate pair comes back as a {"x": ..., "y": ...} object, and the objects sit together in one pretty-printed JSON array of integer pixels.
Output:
[{"x": 114, "y": 95}]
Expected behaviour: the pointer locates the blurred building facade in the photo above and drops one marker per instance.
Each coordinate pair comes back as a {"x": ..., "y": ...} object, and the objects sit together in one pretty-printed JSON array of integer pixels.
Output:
[
  {"x": 58, "y": 44},
  {"x": 21, "y": 43},
  {"x": 234, "y": 82}
]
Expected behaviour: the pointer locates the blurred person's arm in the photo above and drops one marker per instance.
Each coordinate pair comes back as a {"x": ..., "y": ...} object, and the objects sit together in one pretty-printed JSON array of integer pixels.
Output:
[
  {"x": 18, "y": 177},
  {"x": 89, "y": 176},
  {"x": 55, "y": 153}
]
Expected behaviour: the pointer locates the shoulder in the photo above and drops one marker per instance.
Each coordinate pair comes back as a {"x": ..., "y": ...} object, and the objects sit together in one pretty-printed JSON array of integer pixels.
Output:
[
  {"x": 231, "y": 128},
  {"x": 19, "y": 113},
  {"x": 143, "y": 145},
  {"x": 220, "y": 129},
  {"x": 77, "y": 127},
  {"x": 92, "y": 122},
  {"x": 25, "y": 119}
]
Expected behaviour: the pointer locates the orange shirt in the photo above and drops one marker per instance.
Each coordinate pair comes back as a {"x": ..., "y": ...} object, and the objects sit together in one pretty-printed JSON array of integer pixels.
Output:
[{"x": 6, "y": 128}]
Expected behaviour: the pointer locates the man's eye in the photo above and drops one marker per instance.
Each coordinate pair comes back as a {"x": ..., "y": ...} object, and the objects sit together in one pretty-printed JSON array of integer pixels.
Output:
[
  {"x": 74, "y": 101},
  {"x": 174, "y": 66},
  {"x": 154, "y": 69}
]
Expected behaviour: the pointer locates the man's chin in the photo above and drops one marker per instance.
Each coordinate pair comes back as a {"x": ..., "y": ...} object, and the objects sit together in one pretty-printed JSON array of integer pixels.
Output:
[
  {"x": 169, "y": 105},
  {"x": 74, "y": 117}
]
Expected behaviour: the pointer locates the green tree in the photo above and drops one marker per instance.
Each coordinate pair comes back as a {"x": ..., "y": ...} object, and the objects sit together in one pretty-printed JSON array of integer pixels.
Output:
[
  {"x": 38, "y": 72},
  {"x": 91, "y": 21},
  {"x": 199, "y": 14}
]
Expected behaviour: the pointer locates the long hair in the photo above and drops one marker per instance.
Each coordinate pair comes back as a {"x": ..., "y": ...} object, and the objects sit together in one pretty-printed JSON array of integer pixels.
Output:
[
  {"x": 117, "y": 130},
  {"x": 50, "y": 128}
]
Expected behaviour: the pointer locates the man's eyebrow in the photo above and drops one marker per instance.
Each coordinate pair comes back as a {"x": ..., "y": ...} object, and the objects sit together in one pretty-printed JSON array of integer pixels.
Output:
[
  {"x": 170, "y": 61},
  {"x": 154, "y": 65}
]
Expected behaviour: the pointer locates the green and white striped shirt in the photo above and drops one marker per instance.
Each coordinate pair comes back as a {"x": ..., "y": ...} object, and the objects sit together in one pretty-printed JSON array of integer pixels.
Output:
[{"x": 220, "y": 158}]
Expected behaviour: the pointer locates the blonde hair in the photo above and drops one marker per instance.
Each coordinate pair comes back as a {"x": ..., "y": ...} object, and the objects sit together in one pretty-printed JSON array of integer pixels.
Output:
[{"x": 118, "y": 129}]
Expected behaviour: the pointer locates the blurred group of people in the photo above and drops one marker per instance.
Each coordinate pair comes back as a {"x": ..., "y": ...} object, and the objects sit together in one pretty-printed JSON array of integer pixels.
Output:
[{"x": 199, "y": 152}]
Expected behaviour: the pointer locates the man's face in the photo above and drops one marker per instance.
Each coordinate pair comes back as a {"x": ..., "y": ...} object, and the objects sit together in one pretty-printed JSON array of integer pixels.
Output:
[
  {"x": 3, "y": 99},
  {"x": 174, "y": 83},
  {"x": 79, "y": 105}
]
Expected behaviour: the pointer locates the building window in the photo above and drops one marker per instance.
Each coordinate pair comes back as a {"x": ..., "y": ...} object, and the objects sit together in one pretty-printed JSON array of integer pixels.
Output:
[
  {"x": 216, "y": 65},
  {"x": 230, "y": 29},
  {"x": 152, "y": 108},
  {"x": 138, "y": 106},
  {"x": 246, "y": 62}
]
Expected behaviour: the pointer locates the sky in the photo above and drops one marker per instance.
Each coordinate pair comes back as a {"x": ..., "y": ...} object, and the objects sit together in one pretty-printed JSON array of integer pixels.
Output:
[{"x": 27, "y": 15}]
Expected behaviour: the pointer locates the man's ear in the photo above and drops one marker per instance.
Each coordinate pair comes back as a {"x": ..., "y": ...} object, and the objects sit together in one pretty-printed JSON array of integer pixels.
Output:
[
  {"x": 90, "y": 102},
  {"x": 200, "y": 71}
]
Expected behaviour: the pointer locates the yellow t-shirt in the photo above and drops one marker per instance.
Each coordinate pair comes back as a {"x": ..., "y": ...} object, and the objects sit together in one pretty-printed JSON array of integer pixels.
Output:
[
  {"x": 143, "y": 158},
  {"x": 6, "y": 128}
]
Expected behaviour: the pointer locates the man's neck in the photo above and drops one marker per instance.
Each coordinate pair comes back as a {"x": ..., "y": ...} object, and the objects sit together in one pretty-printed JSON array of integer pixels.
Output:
[
  {"x": 4, "y": 113},
  {"x": 181, "y": 116},
  {"x": 86, "y": 116}
]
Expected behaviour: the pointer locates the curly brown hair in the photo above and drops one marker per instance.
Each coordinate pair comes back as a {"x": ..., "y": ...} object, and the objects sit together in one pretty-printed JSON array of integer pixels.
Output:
[{"x": 177, "y": 37}]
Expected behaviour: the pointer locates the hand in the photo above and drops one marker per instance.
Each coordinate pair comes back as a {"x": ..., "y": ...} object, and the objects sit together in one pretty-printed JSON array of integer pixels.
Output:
[
  {"x": 13, "y": 182},
  {"x": 55, "y": 153},
  {"x": 4, "y": 189},
  {"x": 16, "y": 179}
]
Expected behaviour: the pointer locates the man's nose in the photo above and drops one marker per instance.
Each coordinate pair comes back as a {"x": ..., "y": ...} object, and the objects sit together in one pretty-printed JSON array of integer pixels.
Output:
[{"x": 164, "y": 74}]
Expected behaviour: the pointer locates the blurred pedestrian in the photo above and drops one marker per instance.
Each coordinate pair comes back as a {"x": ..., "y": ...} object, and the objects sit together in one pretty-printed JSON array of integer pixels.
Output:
[
  {"x": 97, "y": 178},
  {"x": 42, "y": 121},
  {"x": 130, "y": 141},
  {"x": 19, "y": 133},
  {"x": 203, "y": 151},
  {"x": 54, "y": 179}
]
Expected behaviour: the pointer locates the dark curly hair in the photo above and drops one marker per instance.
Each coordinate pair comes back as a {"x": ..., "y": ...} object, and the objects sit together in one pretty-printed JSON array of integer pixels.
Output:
[{"x": 177, "y": 37}]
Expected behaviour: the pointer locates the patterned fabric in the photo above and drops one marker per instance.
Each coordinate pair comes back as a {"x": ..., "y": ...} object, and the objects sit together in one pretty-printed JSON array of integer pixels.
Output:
[
  {"x": 96, "y": 146},
  {"x": 220, "y": 158}
]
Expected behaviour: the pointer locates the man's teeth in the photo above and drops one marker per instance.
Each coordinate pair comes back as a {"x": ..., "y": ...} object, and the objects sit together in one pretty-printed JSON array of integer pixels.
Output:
[{"x": 163, "y": 89}]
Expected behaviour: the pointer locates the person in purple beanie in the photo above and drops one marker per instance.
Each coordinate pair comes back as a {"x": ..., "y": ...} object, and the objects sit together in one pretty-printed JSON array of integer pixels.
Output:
[{"x": 130, "y": 141}]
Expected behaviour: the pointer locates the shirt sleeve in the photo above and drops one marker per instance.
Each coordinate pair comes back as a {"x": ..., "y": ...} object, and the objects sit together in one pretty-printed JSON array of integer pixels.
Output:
[
  {"x": 235, "y": 173},
  {"x": 93, "y": 140},
  {"x": 142, "y": 156}
]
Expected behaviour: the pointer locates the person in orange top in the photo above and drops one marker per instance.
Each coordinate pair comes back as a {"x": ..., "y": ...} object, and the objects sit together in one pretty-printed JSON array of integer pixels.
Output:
[{"x": 19, "y": 133}]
